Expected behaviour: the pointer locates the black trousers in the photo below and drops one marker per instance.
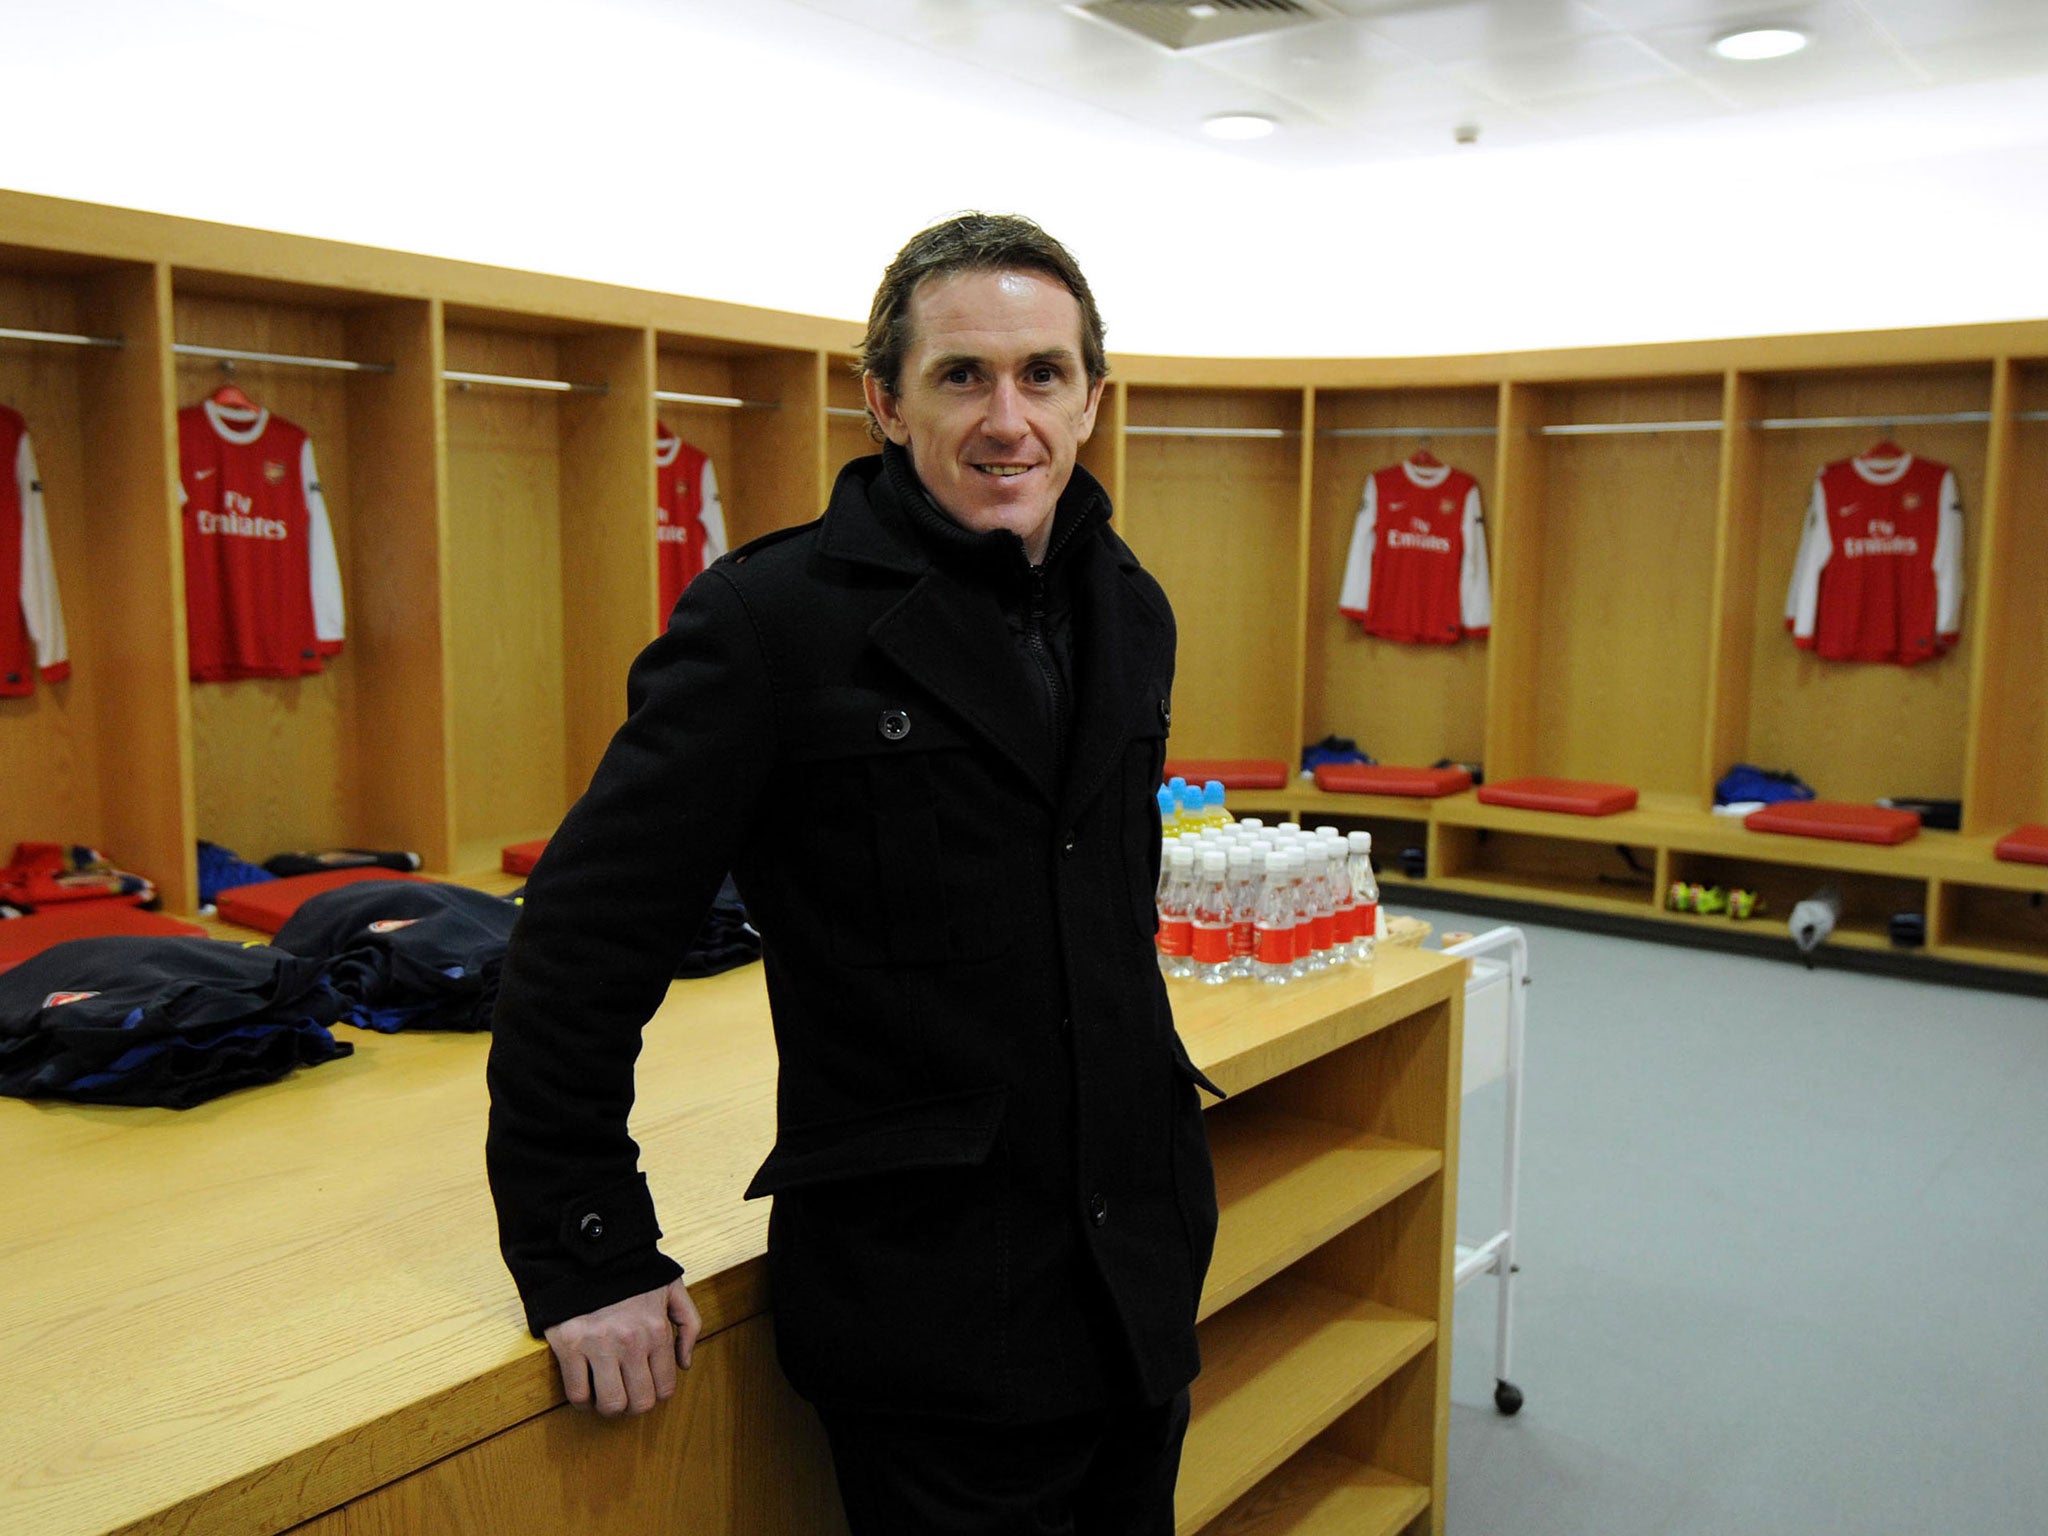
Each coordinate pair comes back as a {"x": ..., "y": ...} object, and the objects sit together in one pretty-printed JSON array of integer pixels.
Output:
[{"x": 1097, "y": 1474}]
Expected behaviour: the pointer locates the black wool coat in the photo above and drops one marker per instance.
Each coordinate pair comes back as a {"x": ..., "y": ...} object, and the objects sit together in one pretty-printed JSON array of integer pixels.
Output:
[{"x": 993, "y": 1197}]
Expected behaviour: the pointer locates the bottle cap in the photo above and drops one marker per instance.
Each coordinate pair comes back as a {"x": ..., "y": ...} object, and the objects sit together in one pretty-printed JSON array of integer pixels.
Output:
[
  {"x": 1240, "y": 858},
  {"x": 1176, "y": 784},
  {"x": 1361, "y": 842},
  {"x": 1327, "y": 832},
  {"x": 1166, "y": 801},
  {"x": 1215, "y": 861},
  {"x": 1289, "y": 829},
  {"x": 1183, "y": 855},
  {"x": 1212, "y": 792},
  {"x": 1250, "y": 823},
  {"x": 1276, "y": 863}
]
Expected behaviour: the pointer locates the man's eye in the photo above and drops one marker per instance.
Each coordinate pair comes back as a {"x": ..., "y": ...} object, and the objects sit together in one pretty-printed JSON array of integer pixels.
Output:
[
  {"x": 960, "y": 376},
  {"x": 1045, "y": 373}
]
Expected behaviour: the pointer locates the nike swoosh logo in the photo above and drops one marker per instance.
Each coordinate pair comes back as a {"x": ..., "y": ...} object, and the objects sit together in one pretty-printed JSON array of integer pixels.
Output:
[{"x": 201, "y": 474}]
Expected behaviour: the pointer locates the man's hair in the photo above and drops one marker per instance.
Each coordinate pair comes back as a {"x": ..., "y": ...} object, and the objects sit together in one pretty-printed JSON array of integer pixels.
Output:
[{"x": 970, "y": 242}]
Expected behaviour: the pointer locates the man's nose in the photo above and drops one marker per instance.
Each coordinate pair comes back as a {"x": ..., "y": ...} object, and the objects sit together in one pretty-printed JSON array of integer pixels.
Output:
[{"x": 1005, "y": 415}]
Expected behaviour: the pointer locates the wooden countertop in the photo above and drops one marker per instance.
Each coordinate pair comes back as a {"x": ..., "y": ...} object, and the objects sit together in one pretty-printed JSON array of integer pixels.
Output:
[{"x": 236, "y": 1317}]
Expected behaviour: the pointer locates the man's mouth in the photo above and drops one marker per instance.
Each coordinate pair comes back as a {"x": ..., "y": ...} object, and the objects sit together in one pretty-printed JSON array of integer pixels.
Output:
[{"x": 1003, "y": 471}]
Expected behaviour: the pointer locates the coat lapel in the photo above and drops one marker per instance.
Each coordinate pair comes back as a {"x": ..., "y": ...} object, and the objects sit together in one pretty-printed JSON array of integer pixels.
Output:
[
  {"x": 1126, "y": 660},
  {"x": 951, "y": 641}
]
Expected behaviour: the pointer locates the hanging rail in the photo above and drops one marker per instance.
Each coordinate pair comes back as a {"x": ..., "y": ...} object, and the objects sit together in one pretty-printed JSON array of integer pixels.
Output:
[
  {"x": 725, "y": 402},
  {"x": 1248, "y": 432},
  {"x": 853, "y": 411},
  {"x": 1407, "y": 431},
  {"x": 462, "y": 380},
  {"x": 1622, "y": 428},
  {"x": 286, "y": 359},
  {"x": 58, "y": 338},
  {"x": 1902, "y": 419}
]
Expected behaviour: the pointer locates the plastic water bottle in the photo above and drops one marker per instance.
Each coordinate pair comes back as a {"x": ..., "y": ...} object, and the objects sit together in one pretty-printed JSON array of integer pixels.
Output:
[
  {"x": 1273, "y": 928},
  {"x": 1191, "y": 808},
  {"x": 1244, "y": 867},
  {"x": 1343, "y": 901},
  {"x": 1169, "y": 813},
  {"x": 1304, "y": 905},
  {"x": 1211, "y": 918},
  {"x": 1366, "y": 892},
  {"x": 1176, "y": 903},
  {"x": 1315, "y": 890}
]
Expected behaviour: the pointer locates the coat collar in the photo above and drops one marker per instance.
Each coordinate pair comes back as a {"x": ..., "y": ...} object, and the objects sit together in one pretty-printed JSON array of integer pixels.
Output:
[{"x": 947, "y": 632}]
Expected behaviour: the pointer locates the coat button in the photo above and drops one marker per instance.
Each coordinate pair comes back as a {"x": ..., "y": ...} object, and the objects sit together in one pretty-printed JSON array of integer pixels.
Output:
[
  {"x": 1098, "y": 1209},
  {"x": 592, "y": 1228},
  {"x": 894, "y": 725},
  {"x": 1165, "y": 713},
  {"x": 1067, "y": 847}
]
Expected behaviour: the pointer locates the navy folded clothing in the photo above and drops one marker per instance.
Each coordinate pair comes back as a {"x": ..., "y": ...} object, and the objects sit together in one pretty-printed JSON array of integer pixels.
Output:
[
  {"x": 725, "y": 940},
  {"x": 407, "y": 954},
  {"x": 164, "y": 1021}
]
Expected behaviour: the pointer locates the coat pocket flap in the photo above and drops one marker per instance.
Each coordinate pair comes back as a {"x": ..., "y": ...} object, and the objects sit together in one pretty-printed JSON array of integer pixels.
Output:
[
  {"x": 1189, "y": 1070},
  {"x": 958, "y": 1130},
  {"x": 827, "y": 724}
]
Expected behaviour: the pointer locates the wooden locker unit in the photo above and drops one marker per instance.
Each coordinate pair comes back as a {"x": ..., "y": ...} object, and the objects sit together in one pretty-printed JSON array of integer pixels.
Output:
[
  {"x": 1409, "y": 704},
  {"x": 846, "y": 425},
  {"x": 1853, "y": 730},
  {"x": 1213, "y": 505},
  {"x": 551, "y": 546},
  {"x": 766, "y": 450},
  {"x": 1618, "y": 547},
  {"x": 311, "y": 762},
  {"x": 105, "y": 757}
]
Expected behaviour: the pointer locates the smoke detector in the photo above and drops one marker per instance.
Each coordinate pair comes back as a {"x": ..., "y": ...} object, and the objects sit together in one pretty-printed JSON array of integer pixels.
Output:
[{"x": 1184, "y": 24}]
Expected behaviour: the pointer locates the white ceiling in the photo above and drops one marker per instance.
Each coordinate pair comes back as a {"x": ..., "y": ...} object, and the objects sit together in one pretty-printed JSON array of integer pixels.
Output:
[
  {"x": 1392, "y": 79},
  {"x": 1626, "y": 185}
]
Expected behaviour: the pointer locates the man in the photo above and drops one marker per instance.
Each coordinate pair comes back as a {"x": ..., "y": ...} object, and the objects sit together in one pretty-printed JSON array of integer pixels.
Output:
[{"x": 993, "y": 1201}]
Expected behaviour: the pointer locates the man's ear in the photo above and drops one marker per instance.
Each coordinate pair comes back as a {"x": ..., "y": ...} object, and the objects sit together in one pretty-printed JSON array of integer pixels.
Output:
[{"x": 883, "y": 404}]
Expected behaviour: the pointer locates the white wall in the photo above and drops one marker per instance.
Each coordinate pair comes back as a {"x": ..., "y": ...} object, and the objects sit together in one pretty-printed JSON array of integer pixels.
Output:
[{"x": 781, "y": 157}]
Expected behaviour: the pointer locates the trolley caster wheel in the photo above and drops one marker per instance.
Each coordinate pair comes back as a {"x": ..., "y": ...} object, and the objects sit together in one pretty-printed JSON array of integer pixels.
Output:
[{"x": 1507, "y": 1397}]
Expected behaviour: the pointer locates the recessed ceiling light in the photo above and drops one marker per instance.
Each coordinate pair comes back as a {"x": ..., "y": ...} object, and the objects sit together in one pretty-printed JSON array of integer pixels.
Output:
[
  {"x": 1201, "y": 12},
  {"x": 1760, "y": 43},
  {"x": 1238, "y": 125}
]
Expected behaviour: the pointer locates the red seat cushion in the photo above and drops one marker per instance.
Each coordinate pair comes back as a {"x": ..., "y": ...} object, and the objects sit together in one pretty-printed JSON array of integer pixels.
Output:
[
  {"x": 1230, "y": 772},
  {"x": 2024, "y": 845},
  {"x": 1842, "y": 820},
  {"x": 31, "y": 935},
  {"x": 1575, "y": 797},
  {"x": 519, "y": 858},
  {"x": 270, "y": 904},
  {"x": 1385, "y": 779}
]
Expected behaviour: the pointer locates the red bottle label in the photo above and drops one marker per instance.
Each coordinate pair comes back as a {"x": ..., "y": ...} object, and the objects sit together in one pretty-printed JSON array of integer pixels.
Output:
[
  {"x": 1275, "y": 946},
  {"x": 1304, "y": 933},
  {"x": 1211, "y": 943},
  {"x": 1347, "y": 922},
  {"x": 1176, "y": 936},
  {"x": 1368, "y": 919},
  {"x": 1322, "y": 932},
  {"x": 1242, "y": 938}
]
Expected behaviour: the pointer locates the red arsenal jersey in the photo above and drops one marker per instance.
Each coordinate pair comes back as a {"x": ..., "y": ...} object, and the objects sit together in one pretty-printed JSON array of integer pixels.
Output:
[
  {"x": 689, "y": 522},
  {"x": 31, "y": 618},
  {"x": 1417, "y": 570},
  {"x": 1879, "y": 575},
  {"x": 262, "y": 588}
]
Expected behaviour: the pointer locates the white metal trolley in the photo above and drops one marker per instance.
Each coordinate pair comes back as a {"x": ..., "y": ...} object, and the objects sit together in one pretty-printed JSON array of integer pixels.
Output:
[{"x": 1496, "y": 1009}]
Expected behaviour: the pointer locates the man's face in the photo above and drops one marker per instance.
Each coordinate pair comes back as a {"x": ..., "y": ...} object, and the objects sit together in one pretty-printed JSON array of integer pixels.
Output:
[{"x": 994, "y": 399}]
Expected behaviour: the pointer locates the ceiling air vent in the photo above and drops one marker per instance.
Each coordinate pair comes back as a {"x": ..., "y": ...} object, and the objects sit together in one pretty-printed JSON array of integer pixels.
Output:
[{"x": 1182, "y": 24}]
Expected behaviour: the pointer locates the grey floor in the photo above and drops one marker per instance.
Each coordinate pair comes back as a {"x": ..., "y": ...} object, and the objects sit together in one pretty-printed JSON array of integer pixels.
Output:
[{"x": 1784, "y": 1255}]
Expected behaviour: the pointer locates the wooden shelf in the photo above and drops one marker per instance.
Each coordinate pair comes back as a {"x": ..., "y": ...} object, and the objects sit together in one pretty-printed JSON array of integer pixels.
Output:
[
  {"x": 1277, "y": 1368},
  {"x": 1287, "y": 1185},
  {"x": 1320, "y": 1493}
]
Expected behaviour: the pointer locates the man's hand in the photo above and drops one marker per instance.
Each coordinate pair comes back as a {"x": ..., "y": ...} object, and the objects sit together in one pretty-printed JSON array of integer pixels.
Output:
[{"x": 623, "y": 1358}]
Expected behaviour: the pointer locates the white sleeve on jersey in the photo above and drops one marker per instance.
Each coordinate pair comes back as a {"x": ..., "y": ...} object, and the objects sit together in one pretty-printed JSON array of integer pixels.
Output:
[
  {"x": 1475, "y": 585},
  {"x": 1948, "y": 564},
  {"x": 323, "y": 569},
  {"x": 1816, "y": 545},
  {"x": 40, "y": 605},
  {"x": 1356, "y": 595},
  {"x": 713, "y": 515}
]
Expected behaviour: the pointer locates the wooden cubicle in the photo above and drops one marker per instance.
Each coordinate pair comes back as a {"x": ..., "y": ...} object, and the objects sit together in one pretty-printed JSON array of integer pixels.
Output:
[{"x": 497, "y": 545}]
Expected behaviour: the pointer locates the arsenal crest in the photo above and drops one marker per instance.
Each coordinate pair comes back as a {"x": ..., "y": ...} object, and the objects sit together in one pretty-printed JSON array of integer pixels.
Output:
[{"x": 273, "y": 471}]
